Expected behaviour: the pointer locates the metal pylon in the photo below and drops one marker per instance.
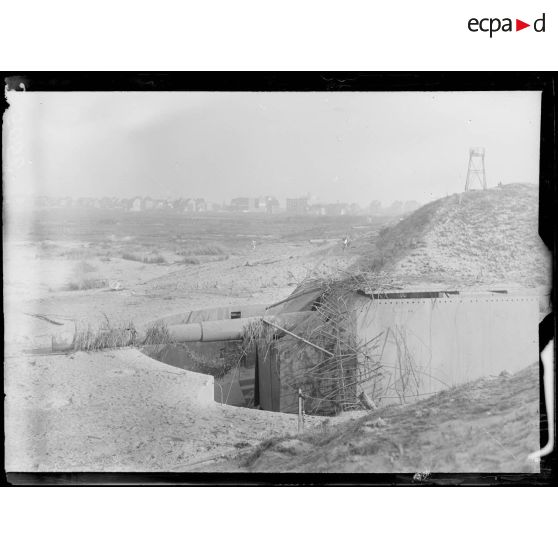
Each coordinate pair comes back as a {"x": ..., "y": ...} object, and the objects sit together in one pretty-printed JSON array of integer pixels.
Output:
[{"x": 476, "y": 171}]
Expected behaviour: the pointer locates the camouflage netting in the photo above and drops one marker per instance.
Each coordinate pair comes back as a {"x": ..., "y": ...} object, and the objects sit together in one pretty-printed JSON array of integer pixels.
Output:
[{"x": 322, "y": 354}]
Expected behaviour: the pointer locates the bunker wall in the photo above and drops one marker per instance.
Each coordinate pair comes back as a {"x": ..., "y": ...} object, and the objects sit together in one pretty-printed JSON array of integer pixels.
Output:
[{"x": 430, "y": 344}]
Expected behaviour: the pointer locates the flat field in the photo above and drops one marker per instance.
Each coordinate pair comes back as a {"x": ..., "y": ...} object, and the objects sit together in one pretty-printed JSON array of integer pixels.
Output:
[{"x": 87, "y": 264}]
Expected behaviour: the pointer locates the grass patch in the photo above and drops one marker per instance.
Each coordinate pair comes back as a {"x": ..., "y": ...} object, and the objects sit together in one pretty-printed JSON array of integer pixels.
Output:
[
  {"x": 193, "y": 260},
  {"x": 131, "y": 257},
  {"x": 76, "y": 254},
  {"x": 154, "y": 259},
  {"x": 158, "y": 334},
  {"x": 104, "y": 336},
  {"x": 109, "y": 335},
  {"x": 202, "y": 249},
  {"x": 86, "y": 284},
  {"x": 190, "y": 261},
  {"x": 157, "y": 259}
]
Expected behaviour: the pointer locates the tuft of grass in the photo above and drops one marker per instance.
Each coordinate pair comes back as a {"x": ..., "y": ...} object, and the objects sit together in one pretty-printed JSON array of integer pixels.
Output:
[
  {"x": 108, "y": 335},
  {"x": 86, "y": 284},
  {"x": 202, "y": 249},
  {"x": 158, "y": 334},
  {"x": 132, "y": 257},
  {"x": 76, "y": 254},
  {"x": 104, "y": 336},
  {"x": 155, "y": 259},
  {"x": 192, "y": 260}
]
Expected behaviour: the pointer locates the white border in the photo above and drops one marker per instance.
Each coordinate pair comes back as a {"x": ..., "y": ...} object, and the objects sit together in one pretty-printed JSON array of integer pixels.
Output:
[{"x": 273, "y": 35}]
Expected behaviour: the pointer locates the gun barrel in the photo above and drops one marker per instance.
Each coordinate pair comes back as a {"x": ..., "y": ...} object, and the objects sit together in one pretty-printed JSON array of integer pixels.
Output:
[
  {"x": 223, "y": 330},
  {"x": 62, "y": 336}
]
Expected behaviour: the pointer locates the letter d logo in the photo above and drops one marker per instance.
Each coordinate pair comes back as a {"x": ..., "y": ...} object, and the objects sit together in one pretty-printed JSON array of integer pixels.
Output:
[{"x": 539, "y": 24}]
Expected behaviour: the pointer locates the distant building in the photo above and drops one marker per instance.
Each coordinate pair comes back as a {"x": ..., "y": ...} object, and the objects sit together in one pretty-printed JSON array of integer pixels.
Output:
[
  {"x": 190, "y": 205},
  {"x": 108, "y": 203},
  {"x": 317, "y": 209},
  {"x": 264, "y": 204},
  {"x": 137, "y": 204},
  {"x": 248, "y": 204},
  {"x": 240, "y": 204},
  {"x": 200, "y": 204},
  {"x": 298, "y": 206},
  {"x": 334, "y": 209},
  {"x": 271, "y": 204},
  {"x": 162, "y": 204},
  {"x": 258, "y": 204},
  {"x": 86, "y": 202}
]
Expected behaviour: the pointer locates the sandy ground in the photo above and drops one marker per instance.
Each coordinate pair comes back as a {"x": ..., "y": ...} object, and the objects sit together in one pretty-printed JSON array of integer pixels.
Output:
[
  {"x": 490, "y": 425},
  {"x": 147, "y": 291},
  {"x": 120, "y": 410}
]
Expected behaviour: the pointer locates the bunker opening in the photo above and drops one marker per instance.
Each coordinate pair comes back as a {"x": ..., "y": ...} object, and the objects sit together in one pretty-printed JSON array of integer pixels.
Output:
[{"x": 220, "y": 351}]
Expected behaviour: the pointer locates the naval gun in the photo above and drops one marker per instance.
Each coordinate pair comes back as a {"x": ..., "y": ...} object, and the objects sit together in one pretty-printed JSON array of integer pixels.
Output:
[{"x": 63, "y": 334}]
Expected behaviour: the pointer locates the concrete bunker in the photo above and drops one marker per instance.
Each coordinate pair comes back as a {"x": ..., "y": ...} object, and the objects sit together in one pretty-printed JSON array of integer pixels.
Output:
[{"x": 345, "y": 346}]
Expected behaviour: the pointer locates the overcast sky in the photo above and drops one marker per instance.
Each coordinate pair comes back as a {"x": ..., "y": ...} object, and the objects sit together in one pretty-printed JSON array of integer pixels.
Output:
[{"x": 353, "y": 147}]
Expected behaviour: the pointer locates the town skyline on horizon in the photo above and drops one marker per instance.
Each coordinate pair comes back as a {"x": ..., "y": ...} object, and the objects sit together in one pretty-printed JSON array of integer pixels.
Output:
[{"x": 263, "y": 204}]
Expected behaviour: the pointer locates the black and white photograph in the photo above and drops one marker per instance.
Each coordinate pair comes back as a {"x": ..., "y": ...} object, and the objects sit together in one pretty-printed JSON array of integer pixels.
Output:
[
  {"x": 279, "y": 278},
  {"x": 329, "y": 281}
]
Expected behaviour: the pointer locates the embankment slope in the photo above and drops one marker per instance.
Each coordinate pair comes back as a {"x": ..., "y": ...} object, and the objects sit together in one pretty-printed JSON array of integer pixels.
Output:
[{"x": 473, "y": 238}]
